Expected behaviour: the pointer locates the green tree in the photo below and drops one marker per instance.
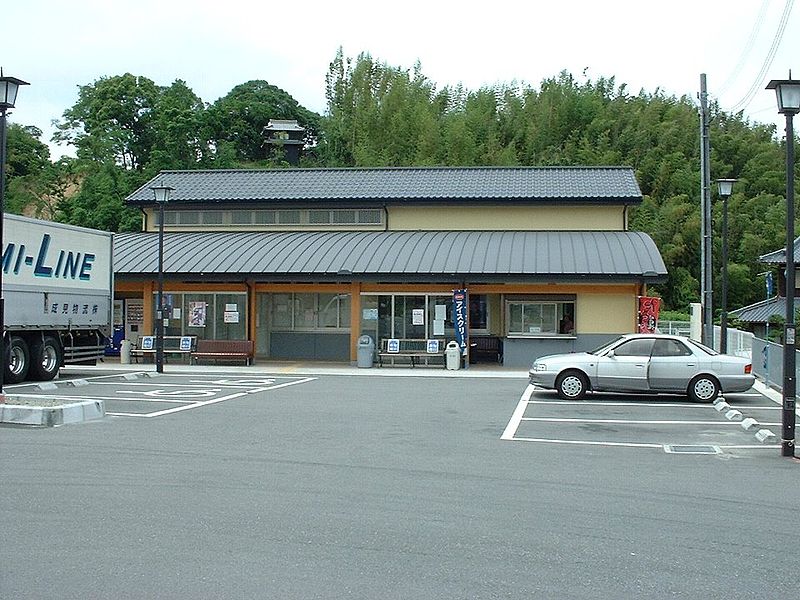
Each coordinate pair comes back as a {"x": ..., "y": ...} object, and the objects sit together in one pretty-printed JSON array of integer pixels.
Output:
[
  {"x": 112, "y": 121},
  {"x": 238, "y": 119}
]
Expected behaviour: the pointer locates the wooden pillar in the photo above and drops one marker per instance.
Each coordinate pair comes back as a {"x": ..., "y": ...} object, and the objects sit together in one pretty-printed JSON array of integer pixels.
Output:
[
  {"x": 148, "y": 318},
  {"x": 355, "y": 319}
]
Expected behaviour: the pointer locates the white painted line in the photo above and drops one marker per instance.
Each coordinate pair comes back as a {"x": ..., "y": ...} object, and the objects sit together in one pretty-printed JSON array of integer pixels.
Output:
[
  {"x": 587, "y": 443},
  {"x": 516, "y": 418},
  {"x": 636, "y": 445},
  {"x": 216, "y": 400},
  {"x": 122, "y": 398},
  {"x": 628, "y": 421},
  {"x": 647, "y": 404}
]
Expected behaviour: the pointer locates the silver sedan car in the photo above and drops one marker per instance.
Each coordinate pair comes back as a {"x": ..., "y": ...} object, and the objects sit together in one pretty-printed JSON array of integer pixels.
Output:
[{"x": 644, "y": 363}]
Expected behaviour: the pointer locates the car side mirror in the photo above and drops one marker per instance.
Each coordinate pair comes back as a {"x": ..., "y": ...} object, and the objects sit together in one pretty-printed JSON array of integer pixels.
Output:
[{"x": 610, "y": 354}]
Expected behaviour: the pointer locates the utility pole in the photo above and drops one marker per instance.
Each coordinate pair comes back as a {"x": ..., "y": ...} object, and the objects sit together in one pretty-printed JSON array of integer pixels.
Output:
[{"x": 706, "y": 291}]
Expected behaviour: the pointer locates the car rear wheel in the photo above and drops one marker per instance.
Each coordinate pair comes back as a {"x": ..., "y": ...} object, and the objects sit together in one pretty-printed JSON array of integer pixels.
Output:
[
  {"x": 703, "y": 388},
  {"x": 572, "y": 385}
]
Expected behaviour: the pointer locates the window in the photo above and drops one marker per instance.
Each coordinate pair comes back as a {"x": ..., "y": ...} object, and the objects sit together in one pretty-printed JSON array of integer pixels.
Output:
[
  {"x": 670, "y": 348},
  {"x": 241, "y": 217},
  {"x": 269, "y": 217},
  {"x": 638, "y": 347},
  {"x": 540, "y": 317},
  {"x": 310, "y": 311}
]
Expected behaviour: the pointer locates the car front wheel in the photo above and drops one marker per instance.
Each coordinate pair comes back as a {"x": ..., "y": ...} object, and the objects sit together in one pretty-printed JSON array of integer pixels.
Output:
[
  {"x": 572, "y": 385},
  {"x": 703, "y": 388}
]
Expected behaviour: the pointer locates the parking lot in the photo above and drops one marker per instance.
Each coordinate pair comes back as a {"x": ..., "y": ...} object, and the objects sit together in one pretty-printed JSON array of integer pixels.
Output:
[
  {"x": 670, "y": 424},
  {"x": 396, "y": 485},
  {"x": 147, "y": 394}
]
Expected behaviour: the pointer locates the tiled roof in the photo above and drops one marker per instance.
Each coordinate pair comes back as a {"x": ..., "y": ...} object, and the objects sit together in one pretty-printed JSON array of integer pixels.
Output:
[
  {"x": 436, "y": 255},
  {"x": 779, "y": 256},
  {"x": 616, "y": 185},
  {"x": 760, "y": 312}
]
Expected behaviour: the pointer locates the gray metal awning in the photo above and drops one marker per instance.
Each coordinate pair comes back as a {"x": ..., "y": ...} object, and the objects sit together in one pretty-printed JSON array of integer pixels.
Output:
[{"x": 395, "y": 255}]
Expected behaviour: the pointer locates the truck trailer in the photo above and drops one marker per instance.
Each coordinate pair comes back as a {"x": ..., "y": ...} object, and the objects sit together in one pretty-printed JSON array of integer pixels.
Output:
[{"x": 58, "y": 284}]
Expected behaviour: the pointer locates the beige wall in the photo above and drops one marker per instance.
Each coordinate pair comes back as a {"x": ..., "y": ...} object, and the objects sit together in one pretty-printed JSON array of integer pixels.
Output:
[
  {"x": 513, "y": 218},
  {"x": 470, "y": 218},
  {"x": 608, "y": 313}
]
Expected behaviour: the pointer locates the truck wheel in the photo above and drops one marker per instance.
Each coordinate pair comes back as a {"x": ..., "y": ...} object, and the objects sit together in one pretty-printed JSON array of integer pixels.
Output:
[
  {"x": 45, "y": 359},
  {"x": 18, "y": 360}
]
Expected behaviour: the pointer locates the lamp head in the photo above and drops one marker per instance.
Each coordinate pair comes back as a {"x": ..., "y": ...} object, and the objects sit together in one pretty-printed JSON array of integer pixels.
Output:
[
  {"x": 725, "y": 187},
  {"x": 787, "y": 92},
  {"x": 162, "y": 193},
  {"x": 9, "y": 86}
]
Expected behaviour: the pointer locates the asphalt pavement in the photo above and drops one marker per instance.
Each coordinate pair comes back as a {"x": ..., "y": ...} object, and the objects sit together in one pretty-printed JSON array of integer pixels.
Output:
[{"x": 315, "y": 481}]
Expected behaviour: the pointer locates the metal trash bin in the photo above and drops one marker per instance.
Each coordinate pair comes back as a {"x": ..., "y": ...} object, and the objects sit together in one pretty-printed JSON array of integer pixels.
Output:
[
  {"x": 453, "y": 356},
  {"x": 366, "y": 351}
]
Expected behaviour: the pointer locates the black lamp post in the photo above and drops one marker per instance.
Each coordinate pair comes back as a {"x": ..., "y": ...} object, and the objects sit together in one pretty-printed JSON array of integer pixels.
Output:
[
  {"x": 162, "y": 194},
  {"x": 725, "y": 187},
  {"x": 787, "y": 92},
  {"x": 9, "y": 86}
]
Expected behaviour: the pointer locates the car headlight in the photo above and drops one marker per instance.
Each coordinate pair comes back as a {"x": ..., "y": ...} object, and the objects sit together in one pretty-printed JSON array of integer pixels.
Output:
[{"x": 539, "y": 366}]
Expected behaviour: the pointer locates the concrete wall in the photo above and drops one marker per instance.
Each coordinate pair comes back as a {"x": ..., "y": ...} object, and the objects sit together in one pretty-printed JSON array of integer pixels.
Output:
[
  {"x": 521, "y": 352},
  {"x": 299, "y": 345}
]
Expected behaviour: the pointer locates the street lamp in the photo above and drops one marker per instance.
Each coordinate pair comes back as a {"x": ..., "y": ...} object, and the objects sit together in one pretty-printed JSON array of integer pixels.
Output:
[
  {"x": 162, "y": 194},
  {"x": 725, "y": 187},
  {"x": 787, "y": 92},
  {"x": 9, "y": 86}
]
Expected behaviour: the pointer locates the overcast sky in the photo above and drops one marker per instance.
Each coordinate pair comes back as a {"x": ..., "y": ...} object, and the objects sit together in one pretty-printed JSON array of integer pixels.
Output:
[{"x": 213, "y": 46}]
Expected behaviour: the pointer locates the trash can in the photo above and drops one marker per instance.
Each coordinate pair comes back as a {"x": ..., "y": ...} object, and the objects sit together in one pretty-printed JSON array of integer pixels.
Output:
[
  {"x": 366, "y": 351},
  {"x": 125, "y": 352},
  {"x": 453, "y": 356}
]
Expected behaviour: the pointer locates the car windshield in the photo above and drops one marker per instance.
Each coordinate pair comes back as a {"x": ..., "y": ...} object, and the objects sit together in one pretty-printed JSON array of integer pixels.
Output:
[
  {"x": 706, "y": 349},
  {"x": 605, "y": 346}
]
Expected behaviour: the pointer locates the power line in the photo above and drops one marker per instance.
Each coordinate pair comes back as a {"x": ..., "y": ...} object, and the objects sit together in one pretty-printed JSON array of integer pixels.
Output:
[
  {"x": 747, "y": 47},
  {"x": 759, "y": 79}
]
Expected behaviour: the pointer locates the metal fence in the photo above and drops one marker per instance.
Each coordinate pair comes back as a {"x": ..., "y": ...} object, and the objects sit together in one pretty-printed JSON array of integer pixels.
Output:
[{"x": 740, "y": 342}]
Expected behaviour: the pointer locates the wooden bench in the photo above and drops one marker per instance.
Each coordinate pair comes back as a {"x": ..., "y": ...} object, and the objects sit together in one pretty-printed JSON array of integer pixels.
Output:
[
  {"x": 180, "y": 345},
  {"x": 416, "y": 351},
  {"x": 226, "y": 350},
  {"x": 485, "y": 348}
]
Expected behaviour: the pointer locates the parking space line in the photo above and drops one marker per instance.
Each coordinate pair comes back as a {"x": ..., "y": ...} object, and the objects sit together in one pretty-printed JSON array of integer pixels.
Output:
[
  {"x": 516, "y": 418},
  {"x": 601, "y": 403},
  {"x": 121, "y": 398},
  {"x": 633, "y": 421}
]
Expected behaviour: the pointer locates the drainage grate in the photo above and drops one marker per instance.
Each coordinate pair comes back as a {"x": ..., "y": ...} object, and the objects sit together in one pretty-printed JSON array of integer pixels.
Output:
[{"x": 691, "y": 449}]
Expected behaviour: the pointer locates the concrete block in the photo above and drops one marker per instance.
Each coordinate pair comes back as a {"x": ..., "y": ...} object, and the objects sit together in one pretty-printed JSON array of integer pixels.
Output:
[
  {"x": 721, "y": 405},
  {"x": 47, "y": 385},
  {"x": 78, "y": 382},
  {"x": 749, "y": 423},
  {"x": 51, "y": 416},
  {"x": 733, "y": 415},
  {"x": 765, "y": 436}
]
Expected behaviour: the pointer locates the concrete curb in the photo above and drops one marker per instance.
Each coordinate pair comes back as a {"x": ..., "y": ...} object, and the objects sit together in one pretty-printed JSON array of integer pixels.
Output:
[{"x": 51, "y": 416}]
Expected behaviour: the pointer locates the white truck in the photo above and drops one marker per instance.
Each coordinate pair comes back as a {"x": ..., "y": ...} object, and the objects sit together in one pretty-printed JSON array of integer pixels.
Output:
[{"x": 58, "y": 283}]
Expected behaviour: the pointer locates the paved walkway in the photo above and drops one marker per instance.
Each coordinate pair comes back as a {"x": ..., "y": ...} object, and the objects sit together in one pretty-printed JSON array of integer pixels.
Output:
[{"x": 311, "y": 368}]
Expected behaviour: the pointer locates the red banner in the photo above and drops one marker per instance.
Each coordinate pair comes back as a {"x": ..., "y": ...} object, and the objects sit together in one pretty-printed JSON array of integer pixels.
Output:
[{"x": 648, "y": 314}]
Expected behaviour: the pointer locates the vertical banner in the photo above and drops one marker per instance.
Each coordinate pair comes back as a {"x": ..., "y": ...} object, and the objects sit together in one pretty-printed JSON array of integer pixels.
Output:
[
  {"x": 460, "y": 317},
  {"x": 648, "y": 314}
]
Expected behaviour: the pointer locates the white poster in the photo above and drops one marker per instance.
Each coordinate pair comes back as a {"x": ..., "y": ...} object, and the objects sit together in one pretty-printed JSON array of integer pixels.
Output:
[
  {"x": 440, "y": 312},
  {"x": 231, "y": 317},
  {"x": 438, "y": 327},
  {"x": 418, "y": 316},
  {"x": 197, "y": 314}
]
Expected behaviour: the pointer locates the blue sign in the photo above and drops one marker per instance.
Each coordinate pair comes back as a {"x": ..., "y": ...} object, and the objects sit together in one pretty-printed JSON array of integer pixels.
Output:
[
  {"x": 460, "y": 316},
  {"x": 768, "y": 279}
]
